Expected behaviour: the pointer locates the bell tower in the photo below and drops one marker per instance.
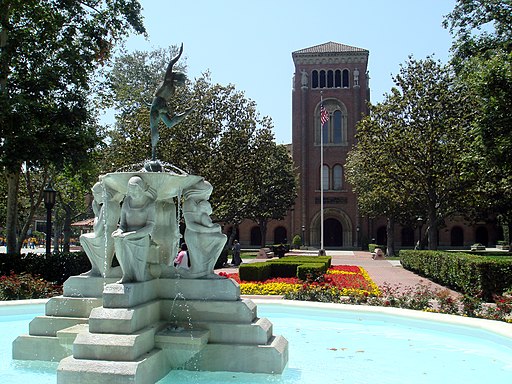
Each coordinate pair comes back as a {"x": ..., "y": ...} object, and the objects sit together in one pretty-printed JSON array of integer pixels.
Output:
[{"x": 336, "y": 76}]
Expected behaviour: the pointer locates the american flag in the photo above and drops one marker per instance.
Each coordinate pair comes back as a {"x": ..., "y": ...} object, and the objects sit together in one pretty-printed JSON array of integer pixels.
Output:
[{"x": 324, "y": 115}]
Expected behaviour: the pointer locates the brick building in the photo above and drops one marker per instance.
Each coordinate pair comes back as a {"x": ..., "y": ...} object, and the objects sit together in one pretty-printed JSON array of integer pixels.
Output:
[{"x": 336, "y": 75}]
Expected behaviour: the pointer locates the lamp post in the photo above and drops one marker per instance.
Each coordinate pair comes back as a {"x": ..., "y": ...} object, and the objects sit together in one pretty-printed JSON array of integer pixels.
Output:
[
  {"x": 303, "y": 235},
  {"x": 358, "y": 237},
  {"x": 420, "y": 226},
  {"x": 49, "y": 202}
]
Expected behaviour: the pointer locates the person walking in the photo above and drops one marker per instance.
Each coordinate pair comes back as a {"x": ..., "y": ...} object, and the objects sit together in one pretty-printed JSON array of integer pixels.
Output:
[{"x": 237, "y": 260}]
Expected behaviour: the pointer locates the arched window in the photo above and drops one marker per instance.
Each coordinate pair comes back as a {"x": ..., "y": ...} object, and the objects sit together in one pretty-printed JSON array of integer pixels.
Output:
[
  {"x": 407, "y": 237},
  {"x": 382, "y": 236},
  {"x": 337, "y": 78},
  {"x": 457, "y": 236},
  {"x": 322, "y": 79},
  {"x": 345, "y": 78},
  {"x": 482, "y": 236},
  {"x": 330, "y": 78},
  {"x": 280, "y": 235},
  {"x": 314, "y": 79},
  {"x": 325, "y": 177},
  {"x": 334, "y": 131},
  {"x": 337, "y": 123},
  {"x": 255, "y": 235},
  {"x": 337, "y": 177}
]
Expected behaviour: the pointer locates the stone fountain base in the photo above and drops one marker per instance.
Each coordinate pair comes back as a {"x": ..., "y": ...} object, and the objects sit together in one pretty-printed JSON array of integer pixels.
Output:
[{"x": 104, "y": 332}]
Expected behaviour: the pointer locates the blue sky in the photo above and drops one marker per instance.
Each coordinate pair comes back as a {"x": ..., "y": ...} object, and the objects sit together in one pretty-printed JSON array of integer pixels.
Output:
[{"x": 249, "y": 42}]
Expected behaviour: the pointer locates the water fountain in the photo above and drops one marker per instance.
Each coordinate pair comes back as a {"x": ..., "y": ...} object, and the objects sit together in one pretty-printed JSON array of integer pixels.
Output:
[{"x": 122, "y": 324}]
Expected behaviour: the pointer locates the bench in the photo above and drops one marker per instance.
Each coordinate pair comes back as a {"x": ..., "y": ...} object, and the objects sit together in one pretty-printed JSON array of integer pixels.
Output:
[{"x": 265, "y": 253}]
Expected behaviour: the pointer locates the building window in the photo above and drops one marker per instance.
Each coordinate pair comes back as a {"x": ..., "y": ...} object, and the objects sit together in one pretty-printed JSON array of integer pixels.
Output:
[
  {"x": 337, "y": 177},
  {"x": 345, "y": 78},
  {"x": 337, "y": 79},
  {"x": 325, "y": 177},
  {"x": 334, "y": 131},
  {"x": 314, "y": 79},
  {"x": 337, "y": 127},
  {"x": 330, "y": 78},
  {"x": 322, "y": 79}
]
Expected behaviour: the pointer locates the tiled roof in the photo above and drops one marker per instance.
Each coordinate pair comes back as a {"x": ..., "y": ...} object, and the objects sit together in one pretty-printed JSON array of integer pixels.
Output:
[
  {"x": 330, "y": 47},
  {"x": 84, "y": 223}
]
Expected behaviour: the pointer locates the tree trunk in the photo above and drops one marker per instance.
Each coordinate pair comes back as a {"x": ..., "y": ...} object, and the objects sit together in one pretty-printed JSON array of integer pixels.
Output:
[
  {"x": 263, "y": 232},
  {"x": 13, "y": 180},
  {"x": 510, "y": 236},
  {"x": 66, "y": 228},
  {"x": 432, "y": 230},
  {"x": 390, "y": 231}
]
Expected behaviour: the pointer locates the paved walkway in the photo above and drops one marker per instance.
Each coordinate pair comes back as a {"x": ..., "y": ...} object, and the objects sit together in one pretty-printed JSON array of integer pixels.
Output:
[{"x": 382, "y": 272}]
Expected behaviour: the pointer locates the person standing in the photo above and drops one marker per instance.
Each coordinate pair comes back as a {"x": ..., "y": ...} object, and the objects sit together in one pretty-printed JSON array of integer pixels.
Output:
[
  {"x": 182, "y": 259},
  {"x": 236, "y": 261}
]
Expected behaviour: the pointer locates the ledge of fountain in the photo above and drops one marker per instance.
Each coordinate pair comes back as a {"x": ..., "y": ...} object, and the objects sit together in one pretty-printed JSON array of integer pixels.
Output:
[{"x": 181, "y": 345}]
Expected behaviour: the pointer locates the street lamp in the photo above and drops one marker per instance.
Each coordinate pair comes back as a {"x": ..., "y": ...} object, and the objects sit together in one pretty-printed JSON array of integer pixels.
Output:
[
  {"x": 49, "y": 202},
  {"x": 420, "y": 226},
  {"x": 303, "y": 235},
  {"x": 358, "y": 237}
]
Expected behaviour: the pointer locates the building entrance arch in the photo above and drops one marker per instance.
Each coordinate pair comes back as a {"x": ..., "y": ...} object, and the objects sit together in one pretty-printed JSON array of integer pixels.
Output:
[{"x": 337, "y": 229}]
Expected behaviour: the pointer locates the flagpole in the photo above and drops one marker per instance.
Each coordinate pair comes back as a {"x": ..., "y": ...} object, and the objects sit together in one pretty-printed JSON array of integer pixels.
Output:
[{"x": 321, "y": 252}]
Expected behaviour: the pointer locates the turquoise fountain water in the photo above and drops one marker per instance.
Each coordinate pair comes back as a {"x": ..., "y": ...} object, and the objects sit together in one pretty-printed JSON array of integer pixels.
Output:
[{"x": 332, "y": 346}]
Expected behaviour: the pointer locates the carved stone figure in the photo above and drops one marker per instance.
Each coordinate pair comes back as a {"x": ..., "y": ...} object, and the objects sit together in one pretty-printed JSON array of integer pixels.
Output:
[
  {"x": 159, "y": 109},
  {"x": 304, "y": 78},
  {"x": 132, "y": 238},
  {"x": 203, "y": 237},
  {"x": 356, "y": 77},
  {"x": 99, "y": 245}
]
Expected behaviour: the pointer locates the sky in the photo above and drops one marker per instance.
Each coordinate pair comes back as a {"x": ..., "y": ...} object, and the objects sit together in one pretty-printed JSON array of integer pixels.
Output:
[{"x": 249, "y": 43}]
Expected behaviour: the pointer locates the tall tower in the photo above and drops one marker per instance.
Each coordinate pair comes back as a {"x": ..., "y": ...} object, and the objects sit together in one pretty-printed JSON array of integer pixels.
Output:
[{"x": 337, "y": 74}]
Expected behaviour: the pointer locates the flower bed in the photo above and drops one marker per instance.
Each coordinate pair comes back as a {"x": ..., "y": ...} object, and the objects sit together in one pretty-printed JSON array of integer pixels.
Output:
[{"x": 340, "y": 280}]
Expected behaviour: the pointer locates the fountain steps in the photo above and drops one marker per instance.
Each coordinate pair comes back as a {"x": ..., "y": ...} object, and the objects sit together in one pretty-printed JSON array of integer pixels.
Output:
[
  {"x": 51, "y": 325},
  {"x": 148, "y": 368},
  {"x": 267, "y": 358},
  {"x": 103, "y": 346},
  {"x": 138, "y": 332}
]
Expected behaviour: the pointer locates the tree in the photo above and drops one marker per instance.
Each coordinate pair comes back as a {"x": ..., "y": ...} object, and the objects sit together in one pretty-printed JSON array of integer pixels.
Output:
[
  {"x": 411, "y": 152},
  {"x": 480, "y": 28},
  {"x": 272, "y": 183},
  {"x": 483, "y": 58},
  {"x": 48, "y": 54}
]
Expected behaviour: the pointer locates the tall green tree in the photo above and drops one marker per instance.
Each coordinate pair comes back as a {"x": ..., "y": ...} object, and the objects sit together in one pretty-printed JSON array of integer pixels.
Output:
[
  {"x": 413, "y": 147},
  {"x": 272, "y": 184},
  {"x": 482, "y": 31},
  {"x": 49, "y": 51}
]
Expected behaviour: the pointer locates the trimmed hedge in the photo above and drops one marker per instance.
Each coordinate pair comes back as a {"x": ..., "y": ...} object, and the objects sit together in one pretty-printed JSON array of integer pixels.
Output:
[
  {"x": 255, "y": 271},
  {"x": 464, "y": 272},
  {"x": 314, "y": 270},
  {"x": 291, "y": 266},
  {"x": 55, "y": 268}
]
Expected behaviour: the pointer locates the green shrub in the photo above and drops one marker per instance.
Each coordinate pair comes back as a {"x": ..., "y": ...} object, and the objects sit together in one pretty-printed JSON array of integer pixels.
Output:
[
  {"x": 254, "y": 271},
  {"x": 284, "y": 267},
  {"x": 311, "y": 271},
  {"x": 55, "y": 268},
  {"x": 297, "y": 241},
  {"x": 466, "y": 273}
]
